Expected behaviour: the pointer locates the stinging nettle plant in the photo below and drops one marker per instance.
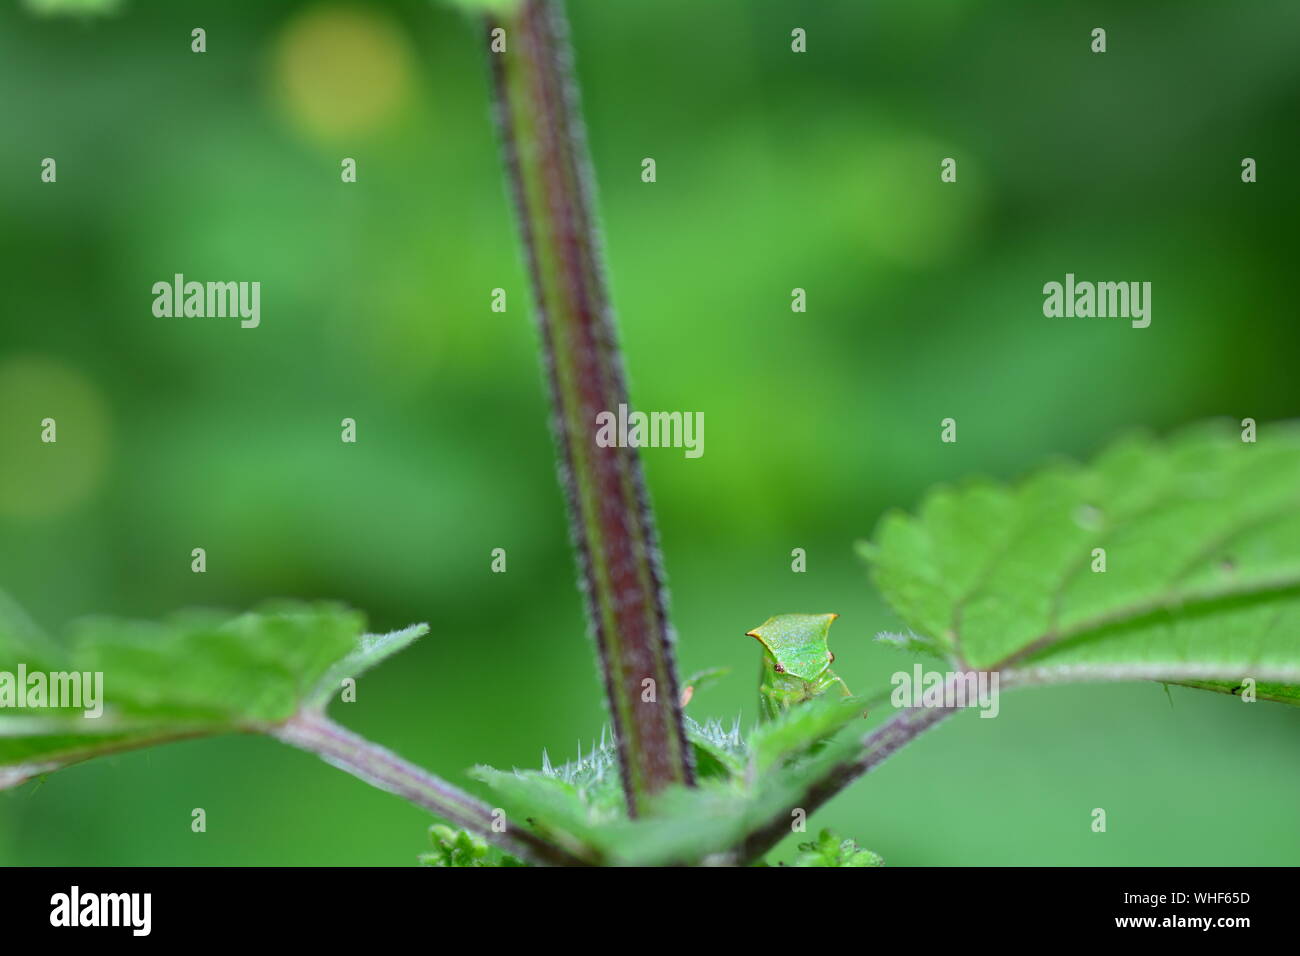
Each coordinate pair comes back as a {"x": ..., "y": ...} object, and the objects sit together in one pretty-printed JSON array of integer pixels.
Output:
[{"x": 1201, "y": 532}]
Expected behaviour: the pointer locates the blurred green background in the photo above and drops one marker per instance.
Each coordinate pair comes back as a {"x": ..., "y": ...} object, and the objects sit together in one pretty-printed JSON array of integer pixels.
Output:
[{"x": 775, "y": 170}]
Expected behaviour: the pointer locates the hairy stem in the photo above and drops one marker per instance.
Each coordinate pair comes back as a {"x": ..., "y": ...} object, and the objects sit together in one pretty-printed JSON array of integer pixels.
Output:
[
  {"x": 612, "y": 524},
  {"x": 382, "y": 768}
]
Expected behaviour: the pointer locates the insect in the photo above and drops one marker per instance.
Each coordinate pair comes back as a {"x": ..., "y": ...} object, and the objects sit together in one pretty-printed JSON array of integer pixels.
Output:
[{"x": 796, "y": 661}]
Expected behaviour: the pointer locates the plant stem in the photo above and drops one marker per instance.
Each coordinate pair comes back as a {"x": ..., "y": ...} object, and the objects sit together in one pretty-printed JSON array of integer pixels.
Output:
[
  {"x": 877, "y": 746},
  {"x": 382, "y": 768},
  {"x": 612, "y": 524}
]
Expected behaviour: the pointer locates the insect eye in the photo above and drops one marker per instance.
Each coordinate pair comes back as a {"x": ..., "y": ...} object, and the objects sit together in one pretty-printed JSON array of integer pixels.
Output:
[
  {"x": 780, "y": 669},
  {"x": 830, "y": 657}
]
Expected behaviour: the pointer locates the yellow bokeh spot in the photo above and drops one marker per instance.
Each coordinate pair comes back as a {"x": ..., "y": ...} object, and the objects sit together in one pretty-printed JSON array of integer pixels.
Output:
[
  {"x": 341, "y": 70},
  {"x": 42, "y": 398}
]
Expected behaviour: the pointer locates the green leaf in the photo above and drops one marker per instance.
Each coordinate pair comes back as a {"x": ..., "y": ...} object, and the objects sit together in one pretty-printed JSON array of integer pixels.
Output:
[
  {"x": 564, "y": 811},
  {"x": 713, "y": 819},
  {"x": 830, "y": 850},
  {"x": 912, "y": 644},
  {"x": 370, "y": 650},
  {"x": 799, "y": 730},
  {"x": 1201, "y": 535},
  {"x": 194, "y": 674},
  {"x": 719, "y": 752},
  {"x": 1282, "y": 693},
  {"x": 579, "y": 804},
  {"x": 460, "y": 848}
]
